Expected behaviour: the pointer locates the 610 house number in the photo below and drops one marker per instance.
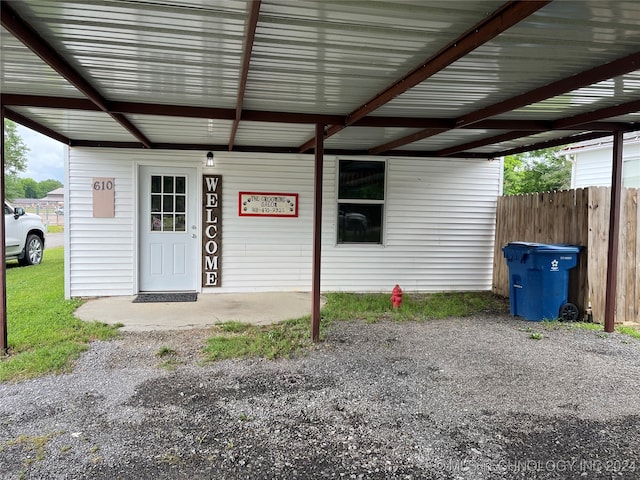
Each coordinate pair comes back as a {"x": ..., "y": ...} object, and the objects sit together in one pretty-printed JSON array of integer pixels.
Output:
[{"x": 103, "y": 185}]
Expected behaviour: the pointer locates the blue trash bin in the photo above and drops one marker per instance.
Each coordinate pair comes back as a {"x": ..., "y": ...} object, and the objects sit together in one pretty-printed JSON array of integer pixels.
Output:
[{"x": 539, "y": 280}]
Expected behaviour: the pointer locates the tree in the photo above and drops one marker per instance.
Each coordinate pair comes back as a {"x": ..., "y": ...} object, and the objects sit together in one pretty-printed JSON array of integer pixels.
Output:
[
  {"x": 46, "y": 186},
  {"x": 30, "y": 187},
  {"x": 15, "y": 150},
  {"x": 15, "y": 160},
  {"x": 539, "y": 171}
]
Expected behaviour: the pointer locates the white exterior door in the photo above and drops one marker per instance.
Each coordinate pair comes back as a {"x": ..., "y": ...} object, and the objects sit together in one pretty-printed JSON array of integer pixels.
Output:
[{"x": 168, "y": 231}]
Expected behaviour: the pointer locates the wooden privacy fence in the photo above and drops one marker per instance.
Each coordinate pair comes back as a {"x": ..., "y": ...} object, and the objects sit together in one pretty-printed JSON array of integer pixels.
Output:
[{"x": 577, "y": 217}]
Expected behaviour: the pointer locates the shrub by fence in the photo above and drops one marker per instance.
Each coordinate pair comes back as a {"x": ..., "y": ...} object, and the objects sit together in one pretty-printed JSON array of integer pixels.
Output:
[{"x": 578, "y": 217}]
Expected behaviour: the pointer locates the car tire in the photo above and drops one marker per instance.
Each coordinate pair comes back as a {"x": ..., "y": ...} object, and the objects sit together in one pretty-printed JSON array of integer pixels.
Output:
[{"x": 33, "y": 251}]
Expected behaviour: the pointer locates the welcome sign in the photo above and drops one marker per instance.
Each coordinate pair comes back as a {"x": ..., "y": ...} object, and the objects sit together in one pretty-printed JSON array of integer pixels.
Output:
[{"x": 212, "y": 231}]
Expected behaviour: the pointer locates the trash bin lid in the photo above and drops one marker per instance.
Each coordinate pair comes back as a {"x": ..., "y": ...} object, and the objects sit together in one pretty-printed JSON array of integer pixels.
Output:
[{"x": 545, "y": 247}]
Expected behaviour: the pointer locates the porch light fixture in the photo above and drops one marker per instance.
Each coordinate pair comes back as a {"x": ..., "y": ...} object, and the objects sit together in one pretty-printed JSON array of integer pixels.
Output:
[{"x": 210, "y": 161}]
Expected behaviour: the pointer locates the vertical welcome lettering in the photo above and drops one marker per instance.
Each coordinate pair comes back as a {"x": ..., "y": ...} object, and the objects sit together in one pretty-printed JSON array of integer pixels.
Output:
[{"x": 211, "y": 230}]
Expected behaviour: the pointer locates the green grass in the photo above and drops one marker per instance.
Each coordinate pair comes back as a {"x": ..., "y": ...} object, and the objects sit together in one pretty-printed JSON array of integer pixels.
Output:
[
  {"x": 44, "y": 336},
  {"x": 415, "y": 307},
  {"x": 55, "y": 229},
  {"x": 241, "y": 340}
]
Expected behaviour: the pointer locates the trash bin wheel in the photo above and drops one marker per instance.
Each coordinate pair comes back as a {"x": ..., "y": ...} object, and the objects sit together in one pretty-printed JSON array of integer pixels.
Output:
[{"x": 568, "y": 313}]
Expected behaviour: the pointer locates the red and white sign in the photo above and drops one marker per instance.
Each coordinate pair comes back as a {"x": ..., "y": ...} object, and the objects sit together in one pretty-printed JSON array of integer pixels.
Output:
[{"x": 267, "y": 204}]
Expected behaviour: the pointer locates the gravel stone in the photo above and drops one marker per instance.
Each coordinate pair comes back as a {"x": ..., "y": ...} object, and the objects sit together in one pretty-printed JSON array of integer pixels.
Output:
[{"x": 472, "y": 398}]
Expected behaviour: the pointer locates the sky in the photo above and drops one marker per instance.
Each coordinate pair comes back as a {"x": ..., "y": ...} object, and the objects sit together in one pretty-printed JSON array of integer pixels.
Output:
[{"x": 45, "y": 159}]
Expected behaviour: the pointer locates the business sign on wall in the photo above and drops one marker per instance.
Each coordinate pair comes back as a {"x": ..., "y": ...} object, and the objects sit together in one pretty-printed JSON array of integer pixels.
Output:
[
  {"x": 212, "y": 231},
  {"x": 266, "y": 204}
]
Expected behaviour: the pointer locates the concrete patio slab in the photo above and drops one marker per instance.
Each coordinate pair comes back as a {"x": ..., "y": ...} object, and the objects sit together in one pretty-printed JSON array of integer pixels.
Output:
[{"x": 209, "y": 309}]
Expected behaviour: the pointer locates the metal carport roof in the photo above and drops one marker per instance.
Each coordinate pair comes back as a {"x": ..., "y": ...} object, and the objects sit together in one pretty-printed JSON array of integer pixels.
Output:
[{"x": 479, "y": 78}]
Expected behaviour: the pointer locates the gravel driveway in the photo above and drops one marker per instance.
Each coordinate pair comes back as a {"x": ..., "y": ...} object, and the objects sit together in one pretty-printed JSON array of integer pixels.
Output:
[{"x": 466, "y": 398}]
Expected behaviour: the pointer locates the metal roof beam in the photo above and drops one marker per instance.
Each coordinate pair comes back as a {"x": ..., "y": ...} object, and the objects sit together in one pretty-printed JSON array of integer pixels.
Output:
[
  {"x": 249, "y": 38},
  {"x": 38, "y": 127},
  {"x": 603, "y": 72},
  {"x": 568, "y": 123},
  {"x": 583, "y": 119},
  {"x": 499, "y": 21},
  {"x": 505, "y": 137},
  {"x": 72, "y": 103},
  {"x": 583, "y": 79},
  {"x": 553, "y": 143},
  {"x": 31, "y": 39}
]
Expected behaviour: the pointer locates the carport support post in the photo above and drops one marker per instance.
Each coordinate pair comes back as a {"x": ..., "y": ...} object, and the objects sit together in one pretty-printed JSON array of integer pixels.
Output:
[
  {"x": 3, "y": 274},
  {"x": 317, "y": 233},
  {"x": 614, "y": 233}
]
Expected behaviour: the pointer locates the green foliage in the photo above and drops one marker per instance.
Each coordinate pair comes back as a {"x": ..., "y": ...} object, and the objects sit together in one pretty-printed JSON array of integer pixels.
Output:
[
  {"x": 539, "y": 171},
  {"x": 44, "y": 336},
  {"x": 415, "y": 307},
  {"x": 46, "y": 186},
  {"x": 13, "y": 187},
  {"x": 15, "y": 150},
  {"x": 30, "y": 187}
]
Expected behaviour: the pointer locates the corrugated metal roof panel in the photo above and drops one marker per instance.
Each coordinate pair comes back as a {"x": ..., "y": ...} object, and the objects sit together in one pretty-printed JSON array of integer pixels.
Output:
[
  {"x": 559, "y": 40},
  {"x": 273, "y": 134},
  {"x": 78, "y": 125},
  {"x": 622, "y": 89},
  {"x": 187, "y": 53},
  {"x": 24, "y": 73},
  {"x": 330, "y": 57},
  {"x": 160, "y": 129},
  {"x": 366, "y": 137},
  {"x": 522, "y": 142}
]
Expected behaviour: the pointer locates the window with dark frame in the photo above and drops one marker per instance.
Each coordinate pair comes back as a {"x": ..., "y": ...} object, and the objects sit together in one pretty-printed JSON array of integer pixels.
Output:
[{"x": 361, "y": 198}]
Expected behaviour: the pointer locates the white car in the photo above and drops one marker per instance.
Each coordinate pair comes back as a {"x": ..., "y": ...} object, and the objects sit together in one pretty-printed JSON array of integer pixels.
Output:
[{"x": 23, "y": 235}]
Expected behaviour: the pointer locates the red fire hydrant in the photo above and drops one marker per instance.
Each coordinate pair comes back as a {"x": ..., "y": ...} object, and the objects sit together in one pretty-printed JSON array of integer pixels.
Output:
[{"x": 396, "y": 296}]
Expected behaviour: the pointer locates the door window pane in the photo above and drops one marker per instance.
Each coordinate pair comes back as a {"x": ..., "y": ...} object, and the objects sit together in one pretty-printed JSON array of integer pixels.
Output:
[
  {"x": 180, "y": 203},
  {"x": 155, "y": 203},
  {"x": 156, "y": 184},
  {"x": 156, "y": 223},
  {"x": 167, "y": 184},
  {"x": 168, "y": 203},
  {"x": 181, "y": 223},
  {"x": 181, "y": 185}
]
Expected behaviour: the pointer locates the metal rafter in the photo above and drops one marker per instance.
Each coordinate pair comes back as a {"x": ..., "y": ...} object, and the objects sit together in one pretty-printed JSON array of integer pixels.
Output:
[
  {"x": 38, "y": 127},
  {"x": 593, "y": 119},
  {"x": 603, "y": 72},
  {"x": 562, "y": 124},
  {"x": 32, "y": 40},
  {"x": 499, "y": 21},
  {"x": 249, "y": 38}
]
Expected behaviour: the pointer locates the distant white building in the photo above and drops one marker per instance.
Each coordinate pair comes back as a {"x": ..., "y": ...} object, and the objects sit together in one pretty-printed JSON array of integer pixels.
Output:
[
  {"x": 592, "y": 162},
  {"x": 55, "y": 196}
]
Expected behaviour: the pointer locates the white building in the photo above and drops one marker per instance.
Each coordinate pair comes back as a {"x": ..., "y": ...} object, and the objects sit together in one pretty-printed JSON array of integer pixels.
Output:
[
  {"x": 592, "y": 162},
  {"x": 427, "y": 224}
]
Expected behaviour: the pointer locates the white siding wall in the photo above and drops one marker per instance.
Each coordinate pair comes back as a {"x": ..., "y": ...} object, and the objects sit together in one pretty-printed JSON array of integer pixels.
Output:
[
  {"x": 440, "y": 219},
  {"x": 101, "y": 253},
  {"x": 438, "y": 231},
  {"x": 592, "y": 167}
]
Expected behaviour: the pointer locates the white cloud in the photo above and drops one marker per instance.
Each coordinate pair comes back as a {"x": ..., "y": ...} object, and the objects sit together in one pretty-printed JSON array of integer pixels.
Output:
[{"x": 45, "y": 156}]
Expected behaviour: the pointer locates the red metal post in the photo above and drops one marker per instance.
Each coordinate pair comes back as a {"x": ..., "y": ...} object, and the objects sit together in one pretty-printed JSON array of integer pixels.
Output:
[
  {"x": 614, "y": 233},
  {"x": 4, "y": 345},
  {"x": 317, "y": 233}
]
